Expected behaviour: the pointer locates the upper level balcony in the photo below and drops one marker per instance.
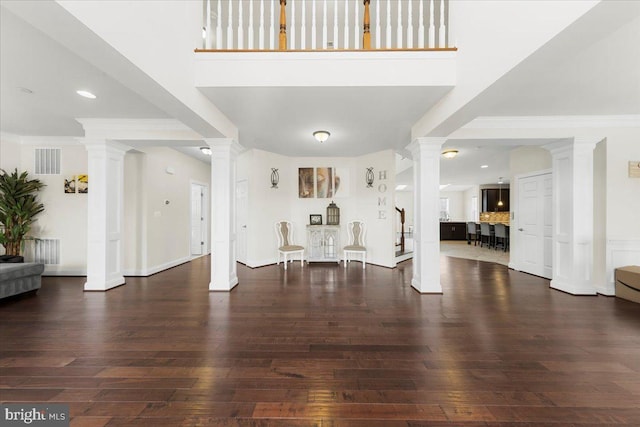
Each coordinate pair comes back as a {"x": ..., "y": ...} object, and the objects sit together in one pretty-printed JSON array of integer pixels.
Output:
[{"x": 326, "y": 43}]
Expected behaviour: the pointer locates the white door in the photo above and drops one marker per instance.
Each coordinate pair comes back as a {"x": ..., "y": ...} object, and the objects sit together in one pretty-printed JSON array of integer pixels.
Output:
[
  {"x": 198, "y": 226},
  {"x": 242, "y": 212},
  {"x": 533, "y": 225}
]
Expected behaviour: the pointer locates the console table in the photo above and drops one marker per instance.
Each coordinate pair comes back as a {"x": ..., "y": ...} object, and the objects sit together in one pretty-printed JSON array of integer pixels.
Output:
[{"x": 323, "y": 243}]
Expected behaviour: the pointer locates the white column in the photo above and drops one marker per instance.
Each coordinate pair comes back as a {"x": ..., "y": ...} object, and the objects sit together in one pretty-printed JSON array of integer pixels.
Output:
[
  {"x": 105, "y": 214},
  {"x": 572, "y": 211},
  {"x": 426, "y": 180},
  {"x": 224, "y": 275}
]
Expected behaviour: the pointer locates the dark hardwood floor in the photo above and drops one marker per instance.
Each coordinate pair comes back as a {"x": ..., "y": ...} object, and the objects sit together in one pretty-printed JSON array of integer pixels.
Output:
[{"x": 325, "y": 346}]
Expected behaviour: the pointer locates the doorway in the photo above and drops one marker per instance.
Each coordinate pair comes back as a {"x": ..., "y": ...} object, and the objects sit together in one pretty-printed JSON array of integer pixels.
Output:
[
  {"x": 198, "y": 219},
  {"x": 242, "y": 215}
]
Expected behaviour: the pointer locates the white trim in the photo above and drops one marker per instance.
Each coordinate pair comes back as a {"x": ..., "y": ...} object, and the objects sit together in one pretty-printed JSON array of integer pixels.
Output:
[
  {"x": 156, "y": 269},
  {"x": 138, "y": 129},
  {"x": 53, "y": 271},
  {"x": 49, "y": 141},
  {"x": 619, "y": 252},
  {"x": 553, "y": 122}
]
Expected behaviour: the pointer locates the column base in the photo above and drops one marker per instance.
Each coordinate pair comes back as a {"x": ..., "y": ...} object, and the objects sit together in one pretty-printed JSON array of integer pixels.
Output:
[
  {"x": 100, "y": 286},
  {"x": 217, "y": 288},
  {"x": 435, "y": 288},
  {"x": 573, "y": 288}
]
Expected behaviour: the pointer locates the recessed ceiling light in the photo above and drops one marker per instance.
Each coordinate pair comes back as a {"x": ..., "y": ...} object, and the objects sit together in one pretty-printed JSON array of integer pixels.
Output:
[
  {"x": 450, "y": 154},
  {"x": 442, "y": 186},
  {"x": 400, "y": 187},
  {"x": 484, "y": 166},
  {"x": 86, "y": 94}
]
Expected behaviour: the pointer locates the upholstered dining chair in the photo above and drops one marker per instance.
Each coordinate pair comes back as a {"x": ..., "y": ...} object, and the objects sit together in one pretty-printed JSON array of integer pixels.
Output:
[
  {"x": 286, "y": 248},
  {"x": 356, "y": 244}
]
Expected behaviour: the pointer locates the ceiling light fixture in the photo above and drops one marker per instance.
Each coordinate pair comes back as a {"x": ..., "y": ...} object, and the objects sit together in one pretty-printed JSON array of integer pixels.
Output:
[
  {"x": 500, "y": 193},
  {"x": 484, "y": 166},
  {"x": 86, "y": 94},
  {"x": 450, "y": 154},
  {"x": 321, "y": 135},
  {"x": 206, "y": 150}
]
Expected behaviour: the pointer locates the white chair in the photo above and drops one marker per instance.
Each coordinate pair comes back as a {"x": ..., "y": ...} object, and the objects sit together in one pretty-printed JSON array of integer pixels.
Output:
[
  {"x": 356, "y": 245},
  {"x": 285, "y": 240}
]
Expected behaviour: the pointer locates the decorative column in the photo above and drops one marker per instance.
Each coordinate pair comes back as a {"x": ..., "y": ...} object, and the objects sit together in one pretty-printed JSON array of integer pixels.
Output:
[
  {"x": 224, "y": 276},
  {"x": 426, "y": 206},
  {"x": 572, "y": 211},
  {"x": 105, "y": 214}
]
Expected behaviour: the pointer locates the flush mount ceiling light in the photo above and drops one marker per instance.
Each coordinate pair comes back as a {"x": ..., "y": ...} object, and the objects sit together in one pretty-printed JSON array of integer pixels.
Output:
[
  {"x": 86, "y": 94},
  {"x": 450, "y": 154},
  {"x": 321, "y": 135},
  {"x": 206, "y": 150}
]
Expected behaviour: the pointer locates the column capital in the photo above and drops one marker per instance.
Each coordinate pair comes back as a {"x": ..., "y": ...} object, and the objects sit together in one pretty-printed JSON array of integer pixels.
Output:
[
  {"x": 571, "y": 143},
  {"x": 426, "y": 143},
  {"x": 94, "y": 144},
  {"x": 224, "y": 145}
]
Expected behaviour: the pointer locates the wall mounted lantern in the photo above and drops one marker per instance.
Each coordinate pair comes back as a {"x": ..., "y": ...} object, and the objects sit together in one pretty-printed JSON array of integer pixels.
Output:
[{"x": 369, "y": 177}]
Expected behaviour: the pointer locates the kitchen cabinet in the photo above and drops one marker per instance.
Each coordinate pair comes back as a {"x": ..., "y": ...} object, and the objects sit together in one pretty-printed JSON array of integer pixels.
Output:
[
  {"x": 453, "y": 231},
  {"x": 491, "y": 197}
]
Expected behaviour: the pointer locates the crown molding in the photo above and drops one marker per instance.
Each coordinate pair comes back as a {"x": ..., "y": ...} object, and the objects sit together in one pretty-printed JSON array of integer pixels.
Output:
[
  {"x": 10, "y": 137},
  {"x": 48, "y": 141},
  {"x": 138, "y": 129},
  {"x": 554, "y": 122}
]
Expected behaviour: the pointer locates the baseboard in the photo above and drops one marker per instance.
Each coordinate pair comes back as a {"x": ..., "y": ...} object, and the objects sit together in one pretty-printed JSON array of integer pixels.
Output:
[
  {"x": 53, "y": 271},
  {"x": 262, "y": 262},
  {"x": 156, "y": 269}
]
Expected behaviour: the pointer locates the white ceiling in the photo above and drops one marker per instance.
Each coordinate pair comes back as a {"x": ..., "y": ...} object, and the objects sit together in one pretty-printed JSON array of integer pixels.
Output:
[
  {"x": 591, "y": 68},
  {"x": 361, "y": 120}
]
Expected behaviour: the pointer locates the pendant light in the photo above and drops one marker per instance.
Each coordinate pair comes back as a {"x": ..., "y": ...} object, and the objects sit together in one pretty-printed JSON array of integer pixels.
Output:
[{"x": 500, "y": 204}]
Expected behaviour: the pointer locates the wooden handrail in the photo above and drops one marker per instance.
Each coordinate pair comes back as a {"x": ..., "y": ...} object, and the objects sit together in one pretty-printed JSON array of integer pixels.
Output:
[
  {"x": 402, "y": 217},
  {"x": 366, "y": 34},
  {"x": 283, "y": 25}
]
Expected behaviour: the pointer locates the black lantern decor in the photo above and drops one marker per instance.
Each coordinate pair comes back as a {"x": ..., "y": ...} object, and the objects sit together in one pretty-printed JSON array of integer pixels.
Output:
[
  {"x": 333, "y": 214},
  {"x": 275, "y": 178},
  {"x": 369, "y": 177}
]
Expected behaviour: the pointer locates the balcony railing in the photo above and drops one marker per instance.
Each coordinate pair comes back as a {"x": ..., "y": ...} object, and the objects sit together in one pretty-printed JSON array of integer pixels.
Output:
[{"x": 231, "y": 25}]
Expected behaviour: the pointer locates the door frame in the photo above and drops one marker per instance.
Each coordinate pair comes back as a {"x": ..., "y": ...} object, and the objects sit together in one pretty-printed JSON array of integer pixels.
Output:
[
  {"x": 515, "y": 252},
  {"x": 206, "y": 250}
]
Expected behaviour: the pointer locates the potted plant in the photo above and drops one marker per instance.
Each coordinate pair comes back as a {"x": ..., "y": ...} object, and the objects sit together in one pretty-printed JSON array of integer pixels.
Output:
[{"x": 19, "y": 207}]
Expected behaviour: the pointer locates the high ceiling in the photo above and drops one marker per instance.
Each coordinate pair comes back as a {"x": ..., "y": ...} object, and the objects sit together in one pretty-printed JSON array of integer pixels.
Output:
[{"x": 591, "y": 68}]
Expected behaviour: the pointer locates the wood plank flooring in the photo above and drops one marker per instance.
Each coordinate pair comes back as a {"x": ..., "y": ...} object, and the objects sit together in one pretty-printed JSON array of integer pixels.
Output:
[{"x": 325, "y": 346}]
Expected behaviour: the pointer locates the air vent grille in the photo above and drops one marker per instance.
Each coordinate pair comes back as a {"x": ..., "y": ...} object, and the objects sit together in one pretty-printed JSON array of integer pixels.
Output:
[
  {"x": 47, "y": 251},
  {"x": 47, "y": 161}
]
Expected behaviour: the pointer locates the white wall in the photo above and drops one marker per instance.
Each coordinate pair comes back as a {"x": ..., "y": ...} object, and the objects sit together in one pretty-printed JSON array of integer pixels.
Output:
[
  {"x": 162, "y": 229},
  {"x": 9, "y": 152},
  {"x": 267, "y": 205},
  {"x": 65, "y": 215}
]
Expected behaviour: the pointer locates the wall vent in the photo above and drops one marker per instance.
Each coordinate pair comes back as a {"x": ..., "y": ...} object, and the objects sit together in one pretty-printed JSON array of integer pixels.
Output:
[
  {"x": 47, "y": 161},
  {"x": 47, "y": 251}
]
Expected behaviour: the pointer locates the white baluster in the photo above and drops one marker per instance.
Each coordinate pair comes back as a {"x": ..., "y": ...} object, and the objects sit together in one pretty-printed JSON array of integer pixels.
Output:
[
  {"x": 388, "y": 41},
  {"x": 272, "y": 27},
  {"x": 250, "y": 29},
  {"x": 356, "y": 31},
  {"x": 303, "y": 27},
  {"x": 421, "y": 26},
  {"x": 335, "y": 24},
  {"x": 378, "y": 32},
  {"x": 313, "y": 25},
  {"x": 207, "y": 26},
  {"x": 410, "y": 26},
  {"x": 346, "y": 25},
  {"x": 442, "y": 33},
  {"x": 240, "y": 29},
  {"x": 292, "y": 31},
  {"x": 261, "y": 29},
  {"x": 219, "y": 26},
  {"x": 399, "y": 29},
  {"x": 229, "y": 26},
  {"x": 324, "y": 25},
  {"x": 432, "y": 26}
]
